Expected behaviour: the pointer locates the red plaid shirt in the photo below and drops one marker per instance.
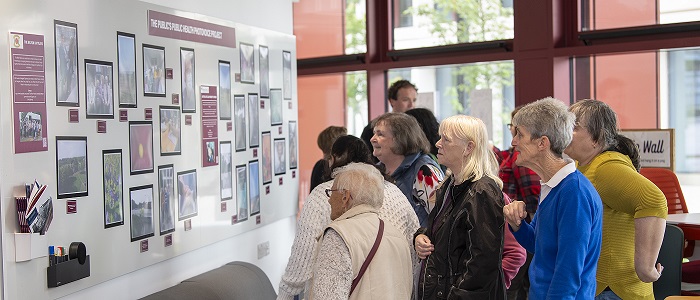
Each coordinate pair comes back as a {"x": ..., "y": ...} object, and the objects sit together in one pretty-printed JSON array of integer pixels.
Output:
[{"x": 519, "y": 183}]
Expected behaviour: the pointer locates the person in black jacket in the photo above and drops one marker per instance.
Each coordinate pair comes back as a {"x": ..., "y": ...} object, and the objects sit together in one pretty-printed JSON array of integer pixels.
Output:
[
  {"x": 461, "y": 247},
  {"x": 321, "y": 171}
]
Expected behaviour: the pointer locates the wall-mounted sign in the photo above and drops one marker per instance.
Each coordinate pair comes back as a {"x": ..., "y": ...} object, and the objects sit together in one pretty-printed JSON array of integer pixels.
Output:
[
  {"x": 655, "y": 146},
  {"x": 176, "y": 27}
]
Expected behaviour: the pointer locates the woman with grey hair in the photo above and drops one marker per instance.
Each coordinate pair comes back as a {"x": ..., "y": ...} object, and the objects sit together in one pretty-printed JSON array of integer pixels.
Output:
[
  {"x": 635, "y": 209},
  {"x": 565, "y": 233},
  {"x": 402, "y": 148},
  {"x": 360, "y": 256}
]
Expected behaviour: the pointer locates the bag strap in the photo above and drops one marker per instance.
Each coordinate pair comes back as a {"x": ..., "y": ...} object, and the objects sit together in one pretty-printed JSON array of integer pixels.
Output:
[{"x": 369, "y": 256}]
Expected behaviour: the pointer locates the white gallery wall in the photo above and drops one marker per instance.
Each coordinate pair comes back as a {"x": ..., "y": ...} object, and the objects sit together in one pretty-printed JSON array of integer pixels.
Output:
[{"x": 119, "y": 270}]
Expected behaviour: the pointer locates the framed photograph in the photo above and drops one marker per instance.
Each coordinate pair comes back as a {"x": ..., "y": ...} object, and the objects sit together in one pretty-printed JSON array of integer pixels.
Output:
[
  {"x": 66, "y": 41},
  {"x": 242, "y": 193},
  {"x": 141, "y": 147},
  {"x": 264, "y": 71},
  {"x": 254, "y": 186},
  {"x": 30, "y": 127},
  {"x": 71, "y": 166},
  {"x": 113, "y": 187},
  {"x": 293, "y": 162},
  {"x": 224, "y": 90},
  {"x": 170, "y": 135},
  {"x": 187, "y": 194},
  {"x": 266, "y": 157},
  {"x": 188, "y": 96},
  {"x": 275, "y": 107},
  {"x": 239, "y": 121},
  {"x": 141, "y": 199},
  {"x": 126, "y": 69},
  {"x": 166, "y": 197},
  {"x": 226, "y": 165},
  {"x": 280, "y": 156},
  {"x": 287, "y": 74},
  {"x": 153, "y": 71},
  {"x": 99, "y": 95},
  {"x": 247, "y": 52},
  {"x": 254, "y": 120}
]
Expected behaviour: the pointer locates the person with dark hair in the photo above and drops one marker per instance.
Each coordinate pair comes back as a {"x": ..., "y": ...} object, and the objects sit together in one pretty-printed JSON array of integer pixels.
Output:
[
  {"x": 634, "y": 209},
  {"x": 430, "y": 125},
  {"x": 316, "y": 215},
  {"x": 321, "y": 171},
  {"x": 401, "y": 147}
]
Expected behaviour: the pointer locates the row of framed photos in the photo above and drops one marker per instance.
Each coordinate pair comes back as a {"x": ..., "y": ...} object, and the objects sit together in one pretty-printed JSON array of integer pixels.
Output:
[{"x": 99, "y": 82}]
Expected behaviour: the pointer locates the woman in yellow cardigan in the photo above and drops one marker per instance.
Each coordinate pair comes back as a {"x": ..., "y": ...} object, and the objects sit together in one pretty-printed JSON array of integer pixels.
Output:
[{"x": 634, "y": 209}]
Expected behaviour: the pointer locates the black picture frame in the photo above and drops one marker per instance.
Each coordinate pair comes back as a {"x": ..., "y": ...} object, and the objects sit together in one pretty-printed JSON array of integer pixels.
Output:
[
  {"x": 242, "y": 210},
  {"x": 154, "y": 83},
  {"x": 187, "y": 194},
  {"x": 126, "y": 70},
  {"x": 141, "y": 203},
  {"x": 239, "y": 122},
  {"x": 247, "y": 55},
  {"x": 71, "y": 166},
  {"x": 266, "y": 160},
  {"x": 264, "y": 65},
  {"x": 293, "y": 145},
  {"x": 170, "y": 130},
  {"x": 113, "y": 187},
  {"x": 276, "y": 112},
  {"x": 254, "y": 186},
  {"x": 287, "y": 74},
  {"x": 167, "y": 198},
  {"x": 66, "y": 63},
  {"x": 188, "y": 96},
  {"x": 253, "y": 120},
  {"x": 99, "y": 89},
  {"x": 280, "y": 156},
  {"x": 140, "y": 147},
  {"x": 226, "y": 171},
  {"x": 225, "y": 91}
]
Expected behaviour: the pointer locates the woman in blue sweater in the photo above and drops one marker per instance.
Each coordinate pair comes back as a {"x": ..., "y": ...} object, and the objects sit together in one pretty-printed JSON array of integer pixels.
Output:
[{"x": 567, "y": 227}]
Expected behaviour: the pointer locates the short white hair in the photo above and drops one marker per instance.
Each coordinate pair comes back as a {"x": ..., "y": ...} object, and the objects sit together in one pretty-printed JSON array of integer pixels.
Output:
[{"x": 365, "y": 183}]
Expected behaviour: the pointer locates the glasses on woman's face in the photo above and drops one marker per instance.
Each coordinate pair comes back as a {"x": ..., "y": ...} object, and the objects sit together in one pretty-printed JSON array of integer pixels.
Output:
[{"x": 330, "y": 191}]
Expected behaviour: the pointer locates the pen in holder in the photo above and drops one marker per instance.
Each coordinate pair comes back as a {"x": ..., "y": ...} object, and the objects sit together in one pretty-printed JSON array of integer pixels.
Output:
[{"x": 76, "y": 267}]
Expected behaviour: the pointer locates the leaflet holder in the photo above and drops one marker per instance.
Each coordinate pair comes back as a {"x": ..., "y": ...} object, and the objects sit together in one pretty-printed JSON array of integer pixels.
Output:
[{"x": 75, "y": 268}]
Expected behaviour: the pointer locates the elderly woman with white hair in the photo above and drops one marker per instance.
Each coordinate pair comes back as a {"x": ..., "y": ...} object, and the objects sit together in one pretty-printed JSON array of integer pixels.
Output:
[
  {"x": 565, "y": 233},
  {"x": 462, "y": 245},
  {"x": 359, "y": 255}
]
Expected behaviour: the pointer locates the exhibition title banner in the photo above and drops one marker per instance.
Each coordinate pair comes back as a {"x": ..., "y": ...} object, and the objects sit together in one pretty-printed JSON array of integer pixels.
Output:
[{"x": 174, "y": 27}]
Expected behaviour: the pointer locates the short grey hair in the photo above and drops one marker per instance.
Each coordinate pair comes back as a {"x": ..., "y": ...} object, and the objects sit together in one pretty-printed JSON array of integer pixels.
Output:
[
  {"x": 365, "y": 183},
  {"x": 548, "y": 117}
]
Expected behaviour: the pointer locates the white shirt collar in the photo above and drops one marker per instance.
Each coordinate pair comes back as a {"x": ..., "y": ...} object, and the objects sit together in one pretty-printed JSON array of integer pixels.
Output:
[{"x": 547, "y": 187}]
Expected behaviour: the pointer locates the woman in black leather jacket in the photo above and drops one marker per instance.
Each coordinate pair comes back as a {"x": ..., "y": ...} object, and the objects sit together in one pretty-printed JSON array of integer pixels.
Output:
[{"x": 462, "y": 246}]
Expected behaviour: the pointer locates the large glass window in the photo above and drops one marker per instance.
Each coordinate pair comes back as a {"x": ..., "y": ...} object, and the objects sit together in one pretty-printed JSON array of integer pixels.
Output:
[
  {"x": 605, "y": 14},
  {"x": 484, "y": 90},
  {"x": 445, "y": 22}
]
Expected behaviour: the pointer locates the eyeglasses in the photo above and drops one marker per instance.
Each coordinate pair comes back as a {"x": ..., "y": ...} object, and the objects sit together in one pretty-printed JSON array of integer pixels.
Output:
[{"x": 330, "y": 191}]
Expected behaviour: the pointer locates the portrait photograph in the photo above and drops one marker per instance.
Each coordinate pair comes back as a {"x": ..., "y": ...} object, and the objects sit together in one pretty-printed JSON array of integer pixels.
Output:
[
  {"x": 239, "y": 121},
  {"x": 170, "y": 135},
  {"x": 280, "y": 155},
  {"x": 254, "y": 120},
  {"x": 153, "y": 71},
  {"x": 254, "y": 186},
  {"x": 264, "y": 72},
  {"x": 266, "y": 157},
  {"x": 71, "y": 166},
  {"x": 66, "y": 41},
  {"x": 113, "y": 187},
  {"x": 30, "y": 128},
  {"x": 293, "y": 145},
  {"x": 247, "y": 52},
  {"x": 287, "y": 73},
  {"x": 224, "y": 90},
  {"x": 211, "y": 153},
  {"x": 188, "y": 96},
  {"x": 141, "y": 198},
  {"x": 166, "y": 198},
  {"x": 187, "y": 194},
  {"x": 275, "y": 107},
  {"x": 242, "y": 193},
  {"x": 141, "y": 147},
  {"x": 226, "y": 166},
  {"x": 99, "y": 95},
  {"x": 126, "y": 69}
]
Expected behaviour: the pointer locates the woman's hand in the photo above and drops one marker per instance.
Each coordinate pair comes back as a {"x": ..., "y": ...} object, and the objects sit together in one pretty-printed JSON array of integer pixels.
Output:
[
  {"x": 423, "y": 246},
  {"x": 514, "y": 214}
]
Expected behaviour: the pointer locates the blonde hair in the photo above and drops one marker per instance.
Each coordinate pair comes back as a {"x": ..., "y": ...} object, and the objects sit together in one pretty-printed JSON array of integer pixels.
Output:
[{"x": 482, "y": 161}]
